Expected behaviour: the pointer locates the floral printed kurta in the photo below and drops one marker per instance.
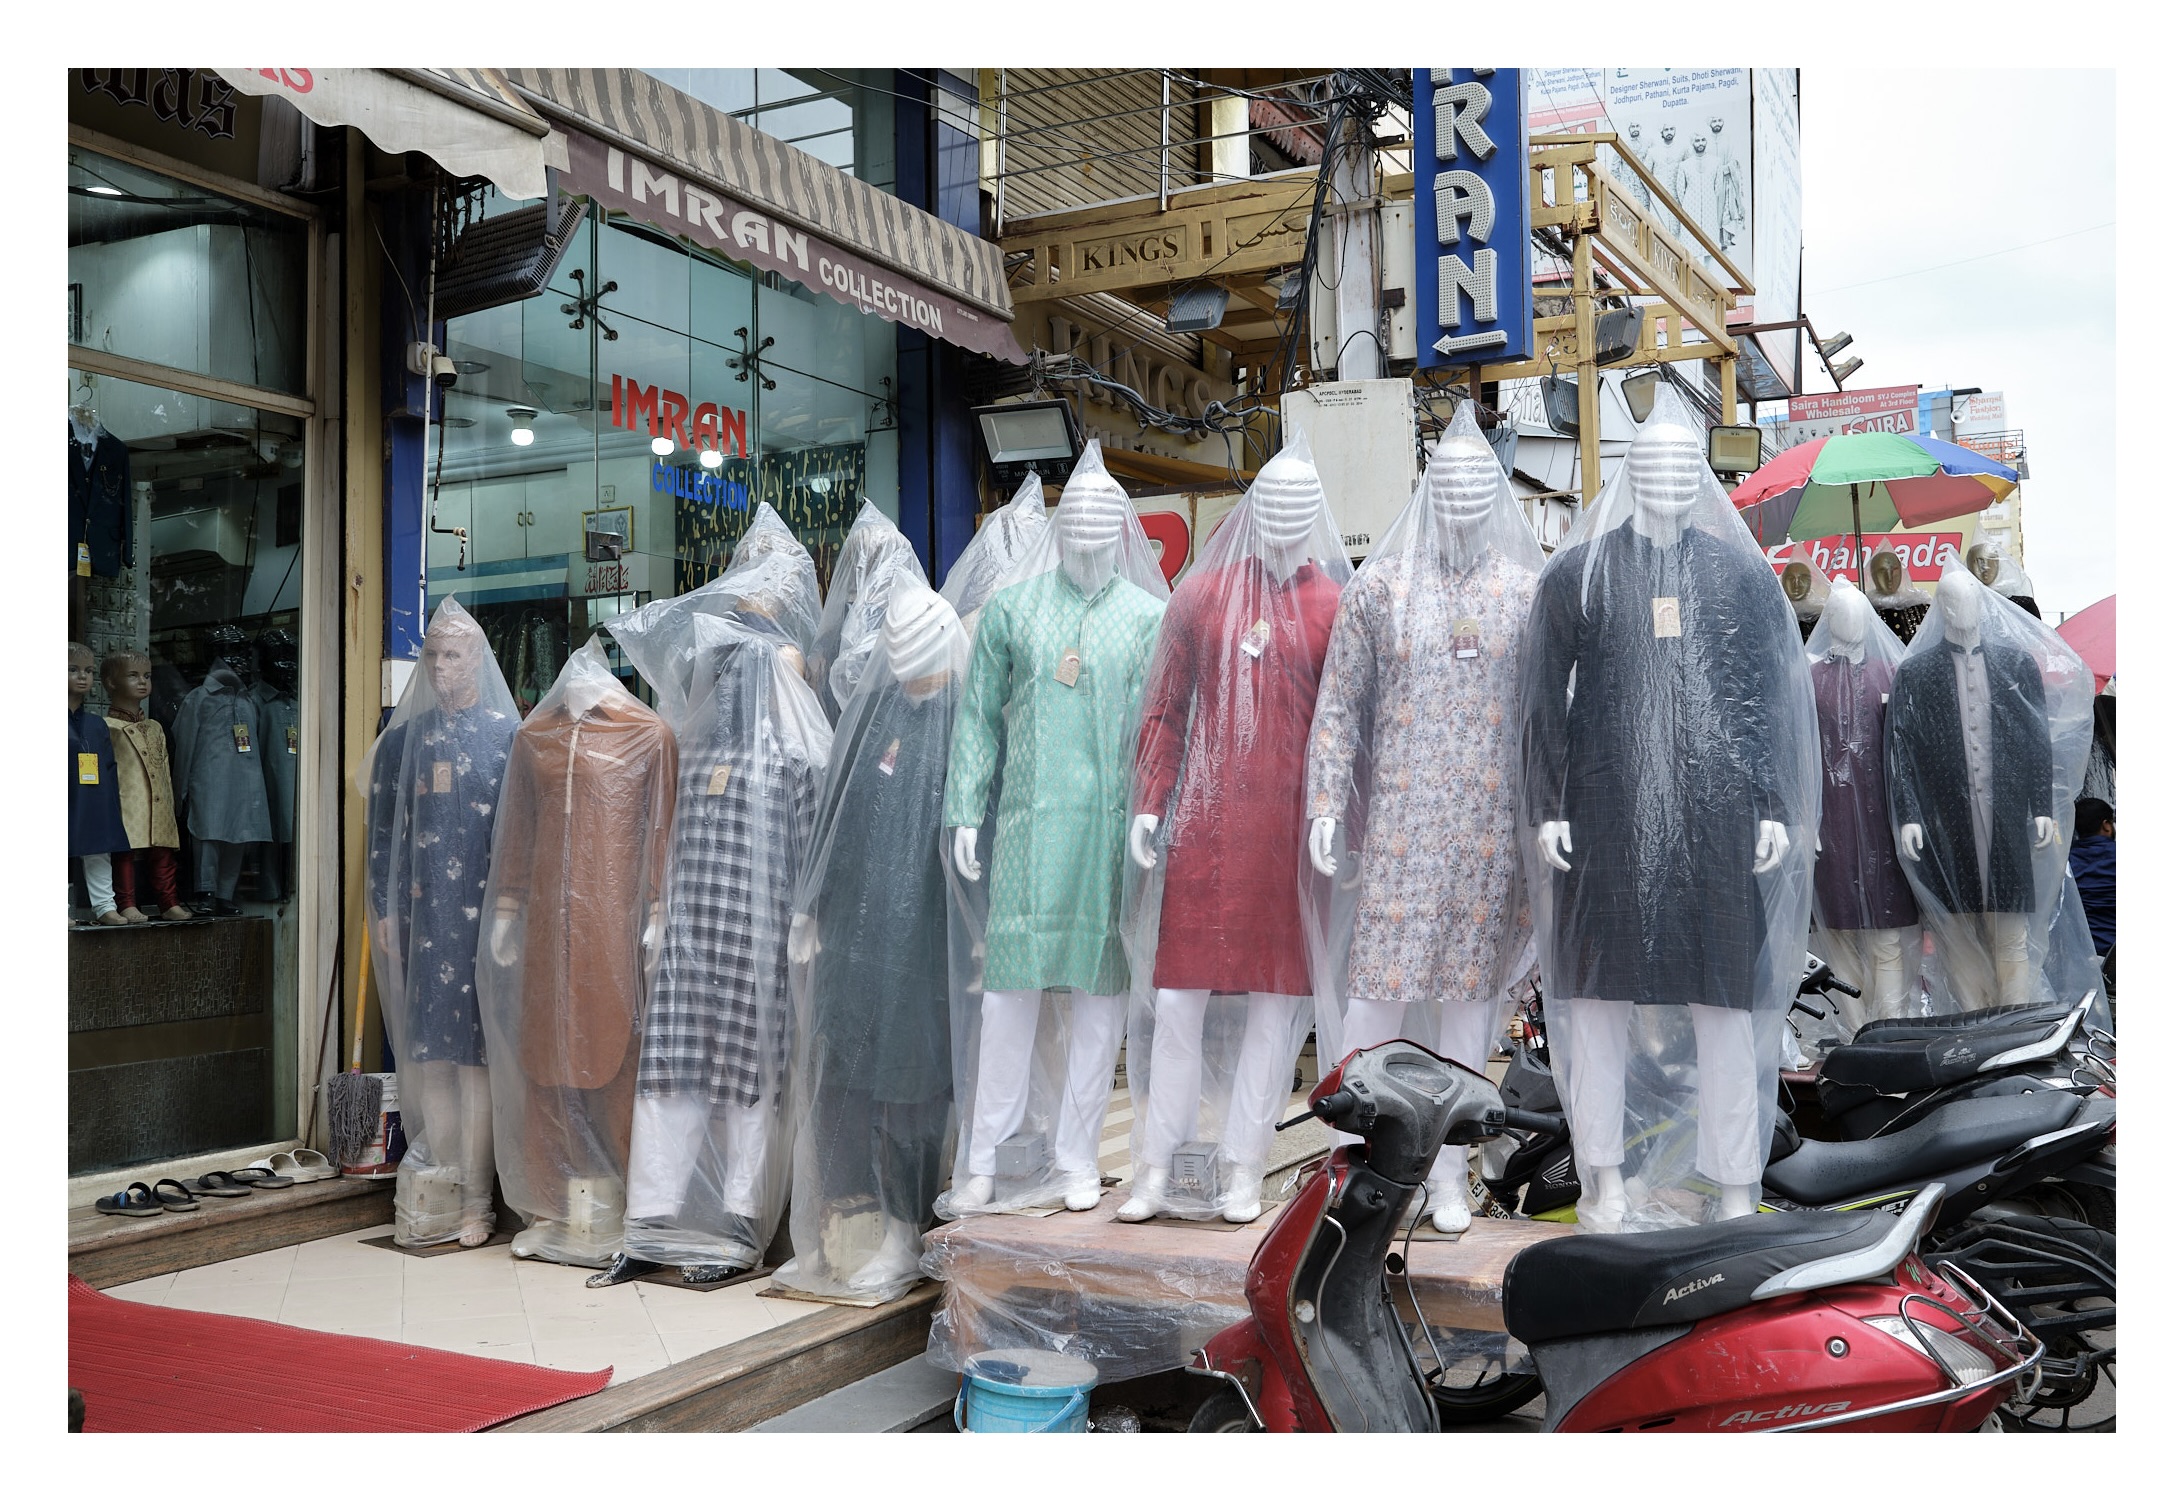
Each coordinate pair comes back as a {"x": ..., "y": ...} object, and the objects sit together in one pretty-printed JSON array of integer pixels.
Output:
[
  {"x": 1055, "y": 917},
  {"x": 1441, "y": 905}
]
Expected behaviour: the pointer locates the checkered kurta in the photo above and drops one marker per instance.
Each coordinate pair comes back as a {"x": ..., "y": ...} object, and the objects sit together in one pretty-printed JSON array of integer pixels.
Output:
[{"x": 719, "y": 1018}]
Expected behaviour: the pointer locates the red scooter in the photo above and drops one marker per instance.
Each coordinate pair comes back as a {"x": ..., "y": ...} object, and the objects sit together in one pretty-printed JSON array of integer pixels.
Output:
[{"x": 1768, "y": 1322}]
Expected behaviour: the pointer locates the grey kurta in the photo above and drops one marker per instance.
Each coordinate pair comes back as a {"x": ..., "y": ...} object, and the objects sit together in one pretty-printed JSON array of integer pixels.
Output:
[
  {"x": 219, "y": 768},
  {"x": 282, "y": 753}
]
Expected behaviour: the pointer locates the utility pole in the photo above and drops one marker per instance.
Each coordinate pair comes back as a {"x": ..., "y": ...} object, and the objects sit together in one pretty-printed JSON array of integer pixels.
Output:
[{"x": 1352, "y": 233}]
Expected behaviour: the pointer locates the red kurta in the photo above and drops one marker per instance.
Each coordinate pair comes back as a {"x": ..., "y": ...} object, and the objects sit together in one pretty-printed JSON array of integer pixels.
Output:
[{"x": 1224, "y": 735}]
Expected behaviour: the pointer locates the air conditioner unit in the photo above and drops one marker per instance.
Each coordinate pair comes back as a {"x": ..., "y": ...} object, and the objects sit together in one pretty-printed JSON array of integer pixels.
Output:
[{"x": 211, "y": 532}]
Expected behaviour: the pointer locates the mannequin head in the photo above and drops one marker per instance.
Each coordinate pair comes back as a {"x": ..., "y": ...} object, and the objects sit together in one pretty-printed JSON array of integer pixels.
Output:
[
  {"x": 1088, "y": 524},
  {"x": 453, "y": 655},
  {"x": 229, "y": 647},
  {"x": 79, "y": 674},
  {"x": 128, "y": 679},
  {"x": 1797, "y": 582},
  {"x": 1985, "y": 561},
  {"x": 925, "y": 643},
  {"x": 1463, "y": 478},
  {"x": 276, "y": 652},
  {"x": 1285, "y": 501},
  {"x": 862, "y": 553},
  {"x": 1961, "y": 598},
  {"x": 1845, "y": 622},
  {"x": 1884, "y": 572},
  {"x": 1667, "y": 467}
]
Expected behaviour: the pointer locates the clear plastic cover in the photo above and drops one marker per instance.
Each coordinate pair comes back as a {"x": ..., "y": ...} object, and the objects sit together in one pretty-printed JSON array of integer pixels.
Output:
[
  {"x": 1220, "y": 971},
  {"x": 432, "y": 786},
  {"x": 849, "y": 623},
  {"x": 868, "y": 950},
  {"x": 573, "y": 920},
  {"x": 768, "y": 586},
  {"x": 1989, "y": 721},
  {"x": 1411, "y": 880},
  {"x": 1671, "y": 770},
  {"x": 1865, "y": 920},
  {"x": 1000, "y": 545},
  {"x": 795, "y": 603},
  {"x": 1059, "y": 659},
  {"x": 1806, "y": 583},
  {"x": 1999, "y": 571}
]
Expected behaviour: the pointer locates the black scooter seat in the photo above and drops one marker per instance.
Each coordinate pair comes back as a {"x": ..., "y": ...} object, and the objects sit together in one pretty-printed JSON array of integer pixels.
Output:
[
  {"x": 1954, "y": 1135},
  {"x": 1898, "y": 1028},
  {"x": 1605, "y": 1284},
  {"x": 1910, "y": 1064}
]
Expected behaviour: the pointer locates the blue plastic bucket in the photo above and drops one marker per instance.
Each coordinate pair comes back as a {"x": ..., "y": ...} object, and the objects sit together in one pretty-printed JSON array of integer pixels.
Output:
[{"x": 1024, "y": 1391}]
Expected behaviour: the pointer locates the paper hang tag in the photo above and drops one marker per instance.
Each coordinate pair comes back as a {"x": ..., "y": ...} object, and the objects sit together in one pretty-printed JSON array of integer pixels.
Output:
[
  {"x": 443, "y": 776},
  {"x": 87, "y": 768},
  {"x": 1072, "y": 665},
  {"x": 1256, "y": 638},
  {"x": 292, "y": 740},
  {"x": 718, "y": 782},
  {"x": 241, "y": 732},
  {"x": 1667, "y": 616},
  {"x": 887, "y": 762},
  {"x": 83, "y": 559},
  {"x": 1468, "y": 636}
]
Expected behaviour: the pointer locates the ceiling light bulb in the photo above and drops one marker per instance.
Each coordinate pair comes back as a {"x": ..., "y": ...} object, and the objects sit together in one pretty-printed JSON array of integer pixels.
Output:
[
  {"x": 663, "y": 446},
  {"x": 709, "y": 457},
  {"x": 521, "y": 434},
  {"x": 521, "y": 437},
  {"x": 104, "y": 190}
]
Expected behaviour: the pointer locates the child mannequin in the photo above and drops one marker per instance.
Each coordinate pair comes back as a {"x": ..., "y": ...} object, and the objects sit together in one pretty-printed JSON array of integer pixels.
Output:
[
  {"x": 94, "y": 804},
  {"x": 150, "y": 867}
]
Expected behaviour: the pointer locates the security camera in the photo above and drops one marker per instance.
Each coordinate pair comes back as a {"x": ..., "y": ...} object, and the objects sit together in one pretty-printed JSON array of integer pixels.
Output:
[
  {"x": 422, "y": 359},
  {"x": 444, "y": 373}
]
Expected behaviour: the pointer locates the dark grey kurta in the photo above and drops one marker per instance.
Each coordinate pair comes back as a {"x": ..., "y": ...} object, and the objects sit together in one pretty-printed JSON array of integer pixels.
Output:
[
  {"x": 1856, "y": 882},
  {"x": 219, "y": 765},
  {"x": 282, "y": 753}
]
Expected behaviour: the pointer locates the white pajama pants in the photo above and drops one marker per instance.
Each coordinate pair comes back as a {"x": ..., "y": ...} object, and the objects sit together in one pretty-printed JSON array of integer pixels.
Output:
[
  {"x": 667, "y": 1140},
  {"x": 456, "y": 1106},
  {"x": 1007, "y": 1030},
  {"x": 1178, "y": 1076},
  {"x": 1467, "y": 1029},
  {"x": 1596, "y": 1057},
  {"x": 98, "y": 882}
]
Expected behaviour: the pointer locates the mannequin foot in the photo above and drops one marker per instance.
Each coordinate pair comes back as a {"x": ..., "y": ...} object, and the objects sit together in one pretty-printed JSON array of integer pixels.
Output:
[
  {"x": 1081, "y": 1193},
  {"x": 476, "y": 1232},
  {"x": 1603, "y": 1209},
  {"x": 1240, "y": 1205},
  {"x": 706, "y": 1273},
  {"x": 1145, "y": 1199},
  {"x": 176, "y": 913},
  {"x": 132, "y": 914},
  {"x": 1736, "y": 1201},
  {"x": 1450, "y": 1205},
  {"x": 623, "y": 1269},
  {"x": 111, "y": 918},
  {"x": 976, "y": 1193},
  {"x": 895, "y": 1261}
]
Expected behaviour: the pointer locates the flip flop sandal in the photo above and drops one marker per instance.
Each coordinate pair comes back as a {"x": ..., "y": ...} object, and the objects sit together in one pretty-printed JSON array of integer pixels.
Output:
[
  {"x": 308, "y": 1166},
  {"x": 220, "y": 1186},
  {"x": 136, "y": 1201},
  {"x": 257, "y": 1176},
  {"x": 178, "y": 1205}
]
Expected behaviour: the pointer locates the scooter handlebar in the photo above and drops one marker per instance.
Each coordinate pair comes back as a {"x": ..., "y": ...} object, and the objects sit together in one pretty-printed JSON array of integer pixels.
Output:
[{"x": 1526, "y": 1120}]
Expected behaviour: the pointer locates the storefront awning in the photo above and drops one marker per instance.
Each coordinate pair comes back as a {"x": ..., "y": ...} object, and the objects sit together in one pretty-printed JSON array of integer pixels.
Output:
[
  {"x": 466, "y": 119},
  {"x": 644, "y": 149}
]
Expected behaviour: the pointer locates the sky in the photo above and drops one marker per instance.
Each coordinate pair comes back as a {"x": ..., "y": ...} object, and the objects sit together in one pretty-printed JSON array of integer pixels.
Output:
[{"x": 1927, "y": 196}]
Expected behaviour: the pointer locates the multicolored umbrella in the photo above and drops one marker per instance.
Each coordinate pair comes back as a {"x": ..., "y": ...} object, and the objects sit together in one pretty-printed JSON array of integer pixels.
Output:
[
  {"x": 1867, "y": 482},
  {"x": 2092, "y": 635}
]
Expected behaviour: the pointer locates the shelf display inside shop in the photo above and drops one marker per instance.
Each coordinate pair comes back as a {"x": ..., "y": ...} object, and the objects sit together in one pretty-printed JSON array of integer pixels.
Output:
[
  {"x": 1220, "y": 972},
  {"x": 1059, "y": 658},
  {"x": 849, "y": 622},
  {"x": 1671, "y": 780},
  {"x": 1412, "y": 883}
]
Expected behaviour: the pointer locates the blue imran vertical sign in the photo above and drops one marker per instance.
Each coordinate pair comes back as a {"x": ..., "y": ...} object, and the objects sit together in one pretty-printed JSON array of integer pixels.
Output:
[{"x": 1473, "y": 216}]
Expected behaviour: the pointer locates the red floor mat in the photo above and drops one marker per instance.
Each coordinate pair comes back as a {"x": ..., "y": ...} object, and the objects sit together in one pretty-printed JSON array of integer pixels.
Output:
[{"x": 167, "y": 1370}]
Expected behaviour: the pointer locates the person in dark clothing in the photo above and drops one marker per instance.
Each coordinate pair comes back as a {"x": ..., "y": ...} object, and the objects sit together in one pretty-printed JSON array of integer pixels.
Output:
[{"x": 2093, "y": 867}]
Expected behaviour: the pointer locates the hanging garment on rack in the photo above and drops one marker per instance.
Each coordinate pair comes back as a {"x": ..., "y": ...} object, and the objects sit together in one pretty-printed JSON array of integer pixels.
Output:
[{"x": 101, "y": 520}]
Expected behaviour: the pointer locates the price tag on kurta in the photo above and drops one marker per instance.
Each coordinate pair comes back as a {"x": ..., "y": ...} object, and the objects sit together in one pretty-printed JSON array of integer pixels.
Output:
[
  {"x": 1667, "y": 616},
  {"x": 1469, "y": 634},
  {"x": 1072, "y": 665},
  {"x": 241, "y": 732},
  {"x": 887, "y": 762},
  {"x": 292, "y": 740},
  {"x": 83, "y": 559},
  {"x": 87, "y": 768},
  {"x": 443, "y": 776},
  {"x": 718, "y": 783},
  {"x": 1256, "y": 638}
]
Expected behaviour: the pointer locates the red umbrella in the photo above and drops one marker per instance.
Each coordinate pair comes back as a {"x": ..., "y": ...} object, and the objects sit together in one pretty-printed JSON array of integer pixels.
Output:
[{"x": 2092, "y": 635}]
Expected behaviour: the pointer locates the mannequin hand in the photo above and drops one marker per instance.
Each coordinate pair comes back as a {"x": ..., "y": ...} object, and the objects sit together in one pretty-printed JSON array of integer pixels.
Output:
[
  {"x": 384, "y": 927},
  {"x": 1141, "y": 840},
  {"x": 1774, "y": 843},
  {"x": 2043, "y": 833},
  {"x": 1322, "y": 845},
  {"x": 966, "y": 854},
  {"x": 803, "y": 939},
  {"x": 503, "y": 939},
  {"x": 650, "y": 941},
  {"x": 1551, "y": 835},
  {"x": 1353, "y": 870},
  {"x": 1913, "y": 839}
]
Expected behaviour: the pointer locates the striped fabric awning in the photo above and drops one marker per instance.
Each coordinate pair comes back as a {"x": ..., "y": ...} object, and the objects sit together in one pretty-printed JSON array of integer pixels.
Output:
[{"x": 638, "y": 146}]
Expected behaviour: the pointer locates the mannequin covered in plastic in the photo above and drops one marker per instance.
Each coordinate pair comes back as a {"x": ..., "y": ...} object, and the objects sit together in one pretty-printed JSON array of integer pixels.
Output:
[
  {"x": 1865, "y": 919},
  {"x": 849, "y": 622},
  {"x": 874, "y": 1088},
  {"x": 1671, "y": 776},
  {"x": 1901, "y": 604},
  {"x": 1059, "y": 660},
  {"x": 1412, "y": 778},
  {"x": 709, "y": 1142},
  {"x": 1988, "y": 727},
  {"x": 432, "y": 787},
  {"x": 219, "y": 771},
  {"x": 579, "y": 857},
  {"x": 1220, "y": 970},
  {"x": 2003, "y": 574},
  {"x": 996, "y": 550},
  {"x": 1807, "y": 588},
  {"x": 768, "y": 536}
]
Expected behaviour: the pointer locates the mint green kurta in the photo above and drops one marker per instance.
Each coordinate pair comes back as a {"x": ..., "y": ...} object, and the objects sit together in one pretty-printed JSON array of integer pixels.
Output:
[{"x": 1056, "y": 904}]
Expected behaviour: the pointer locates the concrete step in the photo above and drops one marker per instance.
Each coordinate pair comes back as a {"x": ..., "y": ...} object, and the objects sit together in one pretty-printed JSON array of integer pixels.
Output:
[{"x": 902, "y": 1397}]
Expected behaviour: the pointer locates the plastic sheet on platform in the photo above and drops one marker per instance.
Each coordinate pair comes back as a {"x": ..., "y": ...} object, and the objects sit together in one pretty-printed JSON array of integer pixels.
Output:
[
  {"x": 432, "y": 785},
  {"x": 1671, "y": 777},
  {"x": 1059, "y": 658}
]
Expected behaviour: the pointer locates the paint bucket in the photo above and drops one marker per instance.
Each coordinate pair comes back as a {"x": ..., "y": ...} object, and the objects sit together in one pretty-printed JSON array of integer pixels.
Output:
[{"x": 1025, "y": 1391}]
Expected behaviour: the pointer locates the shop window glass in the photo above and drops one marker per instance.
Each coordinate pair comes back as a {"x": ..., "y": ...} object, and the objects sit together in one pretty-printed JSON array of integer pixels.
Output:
[{"x": 168, "y": 272}]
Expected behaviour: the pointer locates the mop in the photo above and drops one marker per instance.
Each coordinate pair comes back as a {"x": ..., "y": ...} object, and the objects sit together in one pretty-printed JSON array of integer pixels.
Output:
[{"x": 352, "y": 1099}]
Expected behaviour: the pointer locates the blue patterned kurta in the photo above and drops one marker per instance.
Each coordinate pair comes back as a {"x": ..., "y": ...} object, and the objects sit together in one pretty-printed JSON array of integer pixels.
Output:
[{"x": 1058, "y": 845}]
